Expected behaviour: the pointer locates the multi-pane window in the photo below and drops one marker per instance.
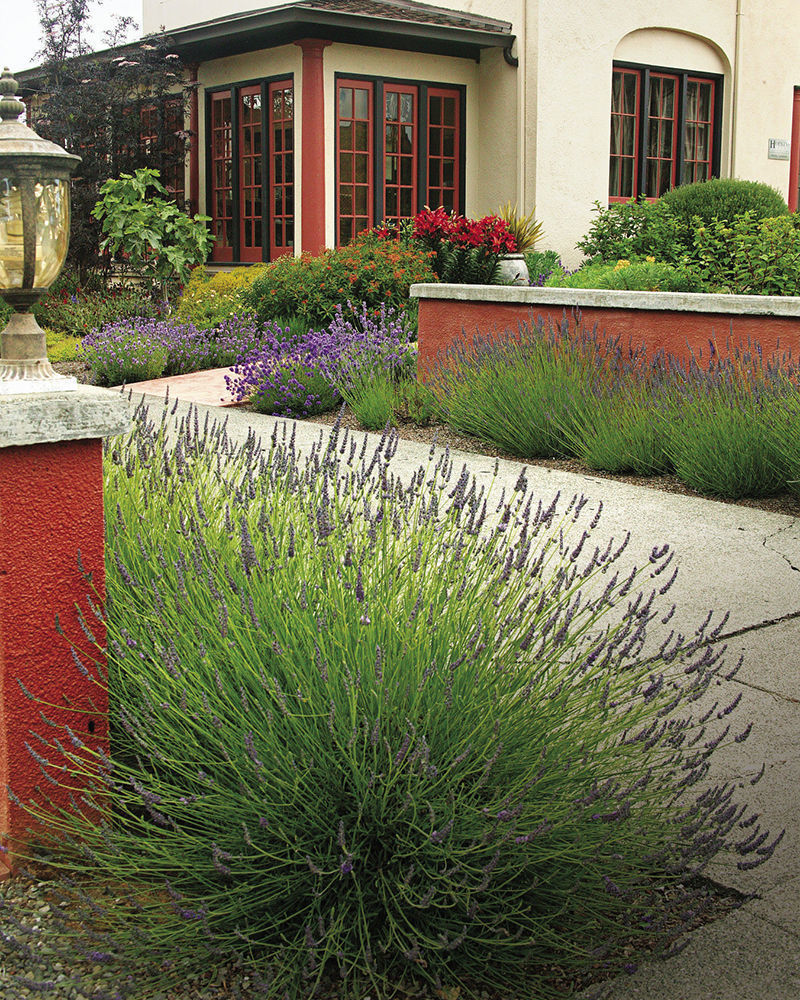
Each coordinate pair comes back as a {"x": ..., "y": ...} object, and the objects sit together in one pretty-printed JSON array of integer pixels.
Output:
[
  {"x": 281, "y": 138},
  {"x": 250, "y": 176},
  {"x": 443, "y": 143},
  {"x": 354, "y": 130},
  {"x": 664, "y": 130},
  {"x": 162, "y": 145},
  {"x": 252, "y": 205},
  {"x": 221, "y": 186},
  {"x": 400, "y": 152},
  {"x": 398, "y": 148}
]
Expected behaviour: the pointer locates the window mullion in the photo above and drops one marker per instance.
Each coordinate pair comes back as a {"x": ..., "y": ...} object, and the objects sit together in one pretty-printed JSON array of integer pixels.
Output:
[
  {"x": 644, "y": 134},
  {"x": 681, "y": 138}
]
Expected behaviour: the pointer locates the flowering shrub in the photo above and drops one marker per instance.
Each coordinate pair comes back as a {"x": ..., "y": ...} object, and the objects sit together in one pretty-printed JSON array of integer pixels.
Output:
[
  {"x": 123, "y": 352},
  {"x": 372, "y": 271},
  {"x": 79, "y": 311},
  {"x": 210, "y": 299},
  {"x": 309, "y": 373},
  {"x": 466, "y": 251},
  {"x": 370, "y": 736},
  {"x": 181, "y": 347}
]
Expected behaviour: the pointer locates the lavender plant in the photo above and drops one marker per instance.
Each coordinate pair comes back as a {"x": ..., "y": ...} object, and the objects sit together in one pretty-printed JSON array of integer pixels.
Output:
[
  {"x": 309, "y": 373},
  {"x": 721, "y": 438},
  {"x": 527, "y": 391},
  {"x": 370, "y": 733},
  {"x": 141, "y": 348}
]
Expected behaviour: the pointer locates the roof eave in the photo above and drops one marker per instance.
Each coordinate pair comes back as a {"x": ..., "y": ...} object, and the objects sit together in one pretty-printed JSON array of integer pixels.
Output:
[{"x": 266, "y": 29}]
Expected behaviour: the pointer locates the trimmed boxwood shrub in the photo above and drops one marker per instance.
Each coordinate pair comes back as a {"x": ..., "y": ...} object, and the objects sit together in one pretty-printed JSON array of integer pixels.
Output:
[{"x": 724, "y": 198}]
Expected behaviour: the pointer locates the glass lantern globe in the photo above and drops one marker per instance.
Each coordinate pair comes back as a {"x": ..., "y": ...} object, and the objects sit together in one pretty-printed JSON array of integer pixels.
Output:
[{"x": 34, "y": 237}]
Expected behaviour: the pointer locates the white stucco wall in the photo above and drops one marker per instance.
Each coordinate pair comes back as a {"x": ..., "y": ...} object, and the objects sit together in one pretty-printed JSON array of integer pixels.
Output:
[
  {"x": 576, "y": 48},
  {"x": 538, "y": 135}
]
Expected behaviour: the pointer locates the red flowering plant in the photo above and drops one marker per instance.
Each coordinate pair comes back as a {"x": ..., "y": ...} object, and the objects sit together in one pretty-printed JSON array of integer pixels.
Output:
[{"x": 467, "y": 251}]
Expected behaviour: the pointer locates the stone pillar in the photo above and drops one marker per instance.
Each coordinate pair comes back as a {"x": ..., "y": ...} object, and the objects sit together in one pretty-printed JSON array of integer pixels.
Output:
[
  {"x": 312, "y": 171},
  {"x": 51, "y": 558}
]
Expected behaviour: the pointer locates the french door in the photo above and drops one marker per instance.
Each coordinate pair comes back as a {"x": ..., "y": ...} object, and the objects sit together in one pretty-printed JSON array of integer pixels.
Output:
[{"x": 251, "y": 171}]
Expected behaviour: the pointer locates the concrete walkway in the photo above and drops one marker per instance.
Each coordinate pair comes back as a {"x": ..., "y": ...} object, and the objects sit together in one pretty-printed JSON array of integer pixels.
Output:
[{"x": 734, "y": 559}]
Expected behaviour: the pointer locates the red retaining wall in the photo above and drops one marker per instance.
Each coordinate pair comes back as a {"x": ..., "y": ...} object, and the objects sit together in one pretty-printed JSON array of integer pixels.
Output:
[{"x": 680, "y": 332}]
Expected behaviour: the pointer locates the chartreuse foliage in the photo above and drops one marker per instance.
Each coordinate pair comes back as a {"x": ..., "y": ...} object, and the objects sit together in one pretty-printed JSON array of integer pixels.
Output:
[{"x": 373, "y": 734}]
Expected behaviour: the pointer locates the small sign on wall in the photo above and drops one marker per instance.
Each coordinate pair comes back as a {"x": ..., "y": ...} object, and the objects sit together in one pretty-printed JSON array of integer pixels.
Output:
[{"x": 778, "y": 149}]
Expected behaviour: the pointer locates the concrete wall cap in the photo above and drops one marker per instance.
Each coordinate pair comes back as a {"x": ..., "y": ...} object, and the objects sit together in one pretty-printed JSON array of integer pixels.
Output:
[
  {"x": 600, "y": 298},
  {"x": 46, "y": 417}
]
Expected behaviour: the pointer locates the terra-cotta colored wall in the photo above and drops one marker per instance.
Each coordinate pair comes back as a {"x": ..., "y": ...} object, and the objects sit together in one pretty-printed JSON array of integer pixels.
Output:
[
  {"x": 443, "y": 321},
  {"x": 51, "y": 509}
]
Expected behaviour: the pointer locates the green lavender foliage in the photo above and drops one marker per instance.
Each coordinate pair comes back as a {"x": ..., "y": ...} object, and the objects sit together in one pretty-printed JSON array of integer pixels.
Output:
[
  {"x": 372, "y": 735},
  {"x": 721, "y": 437},
  {"x": 526, "y": 392}
]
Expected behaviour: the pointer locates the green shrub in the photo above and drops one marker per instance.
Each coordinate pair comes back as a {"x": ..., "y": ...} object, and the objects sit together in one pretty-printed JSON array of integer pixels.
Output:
[
  {"x": 371, "y": 398},
  {"x": 62, "y": 348},
  {"x": 79, "y": 312},
  {"x": 720, "y": 438},
  {"x": 635, "y": 275},
  {"x": 783, "y": 426},
  {"x": 541, "y": 264},
  {"x": 416, "y": 402},
  {"x": 210, "y": 299},
  {"x": 749, "y": 256},
  {"x": 373, "y": 271},
  {"x": 368, "y": 740},
  {"x": 724, "y": 199},
  {"x": 636, "y": 229},
  {"x": 524, "y": 391},
  {"x": 623, "y": 430}
]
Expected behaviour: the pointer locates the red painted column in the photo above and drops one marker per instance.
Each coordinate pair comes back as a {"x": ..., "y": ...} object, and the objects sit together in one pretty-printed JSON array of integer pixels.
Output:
[
  {"x": 312, "y": 173},
  {"x": 194, "y": 147},
  {"x": 794, "y": 156},
  {"x": 51, "y": 510}
]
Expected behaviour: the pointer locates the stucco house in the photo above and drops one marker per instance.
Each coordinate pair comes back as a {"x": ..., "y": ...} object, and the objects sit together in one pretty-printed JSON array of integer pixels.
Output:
[{"x": 316, "y": 119}]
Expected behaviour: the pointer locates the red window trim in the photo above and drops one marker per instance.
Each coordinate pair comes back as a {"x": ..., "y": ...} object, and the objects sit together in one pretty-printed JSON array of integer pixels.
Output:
[
  {"x": 376, "y": 174},
  {"x": 446, "y": 92},
  {"x": 680, "y": 124},
  {"x": 673, "y": 158},
  {"x": 636, "y": 74},
  {"x": 709, "y": 160},
  {"x": 221, "y": 142},
  {"x": 794, "y": 156},
  {"x": 400, "y": 89},
  {"x": 342, "y": 186},
  {"x": 284, "y": 186},
  {"x": 250, "y": 222}
]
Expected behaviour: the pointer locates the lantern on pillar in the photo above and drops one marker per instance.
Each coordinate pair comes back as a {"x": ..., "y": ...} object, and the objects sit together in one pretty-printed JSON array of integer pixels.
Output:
[{"x": 34, "y": 236}]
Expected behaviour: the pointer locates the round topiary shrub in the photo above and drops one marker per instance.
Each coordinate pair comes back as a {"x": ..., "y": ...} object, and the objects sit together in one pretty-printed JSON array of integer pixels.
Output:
[{"x": 724, "y": 198}]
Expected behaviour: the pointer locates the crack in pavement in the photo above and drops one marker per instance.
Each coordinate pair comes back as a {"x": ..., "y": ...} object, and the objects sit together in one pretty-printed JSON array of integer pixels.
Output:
[{"x": 757, "y": 627}]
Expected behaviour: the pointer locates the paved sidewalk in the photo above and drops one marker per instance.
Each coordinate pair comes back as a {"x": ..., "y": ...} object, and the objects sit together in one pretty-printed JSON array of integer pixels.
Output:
[{"x": 734, "y": 559}]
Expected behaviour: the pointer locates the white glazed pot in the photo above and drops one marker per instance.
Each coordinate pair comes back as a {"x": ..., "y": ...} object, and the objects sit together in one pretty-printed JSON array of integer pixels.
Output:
[{"x": 513, "y": 270}]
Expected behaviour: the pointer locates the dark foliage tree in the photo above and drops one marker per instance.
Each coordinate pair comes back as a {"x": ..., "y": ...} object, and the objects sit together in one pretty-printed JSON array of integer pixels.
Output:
[{"x": 119, "y": 109}]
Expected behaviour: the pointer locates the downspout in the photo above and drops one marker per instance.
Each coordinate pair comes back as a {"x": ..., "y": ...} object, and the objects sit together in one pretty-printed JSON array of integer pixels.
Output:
[
  {"x": 522, "y": 82},
  {"x": 735, "y": 88}
]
